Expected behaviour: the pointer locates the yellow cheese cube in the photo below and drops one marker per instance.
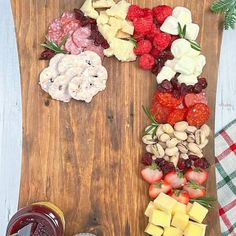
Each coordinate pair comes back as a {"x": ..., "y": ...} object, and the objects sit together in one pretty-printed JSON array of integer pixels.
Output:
[
  {"x": 116, "y": 22},
  {"x": 179, "y": 207},
  {"x": 193, "y": 230},
  {"x": 160, "y": 218},
  {"x": 121, "y": 35},
  {"x": 201, "y": 226},
  {"x": 107, "y": 31},
  {"x": 102, "y": 18},
  {"x": 153, "y": 230},
  {"x": 119, "y": 10},
  {"x": 172, "y": 231},
  {"x": 88, "y": 9},
  {"x": 180, "y": 220},
  {"x": 188, "y": 207},
  {"x": 127, "y": 27},
  {"x": 149, "y": 209},
  {"x": 103, "y": 3},
  {"x": 165, "y": 202},
  {"x": 197, "y": 212}
]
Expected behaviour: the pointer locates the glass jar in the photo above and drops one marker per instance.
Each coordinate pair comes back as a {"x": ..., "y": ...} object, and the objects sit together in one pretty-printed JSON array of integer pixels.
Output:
[{"x": 47, "y": 220}]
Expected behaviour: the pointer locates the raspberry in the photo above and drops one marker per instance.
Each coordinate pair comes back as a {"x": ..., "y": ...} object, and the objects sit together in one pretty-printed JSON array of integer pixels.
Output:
[
  {"x": 147, "y": 12},
  {"x": 135, "y": 12},
  {"x": 154, "y": 30},
  {"x": 162, "y": 12},
  {"x": 144, "y": 47},
  {"x": 143, "y": 25},
  {"x": 161, "y": 41},
  {"x": 155, "y": 52},
  {"x": 138, "y": 36},
  {"x": 146, "y": 61}
]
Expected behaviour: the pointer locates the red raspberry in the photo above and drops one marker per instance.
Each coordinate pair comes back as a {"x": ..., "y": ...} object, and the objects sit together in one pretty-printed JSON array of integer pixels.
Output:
[
  {"x": 146, "y": 61},
  {"x": 147, "y": 12},
  {"x": 138, "y": 36},
  {"x": 154, "y": 30},
  {"x": 143, "y": 25},
  {"x": 144, "y": 47},
  {"x": 134, "y": 12},
  {"x": 162, "y": 12},
  {"x": 161, "y": 41},
  {"x": 155, "y": 52}
]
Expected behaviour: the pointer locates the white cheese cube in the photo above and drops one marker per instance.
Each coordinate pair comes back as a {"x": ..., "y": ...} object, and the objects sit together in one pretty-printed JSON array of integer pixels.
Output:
[
  {"x": 171, "y": 63},
  {"x": 180, "y": 47},
  {"x": 123, "y": 50},
  {"x": 103, "y": 3},
  {"x": 170, "y": 26},
  {"x": 192, "y": 31},
  {"x": 200, "y": 62},
  {"x": 192, "y": 53},
  {"x": 115, "y": 22},
  {"x": 187, "y": 79},
  {"x": 107, "y": 31},
  {"x": 165, "y": 73},
  {"x": 122, "y": 35},
  {"x": 183, "y": 15},
  {"x": 88, "y": 9},
  {"x": 127, "y": 27},
  {"x": 119, "y": 10},
  {"x": 102, "y": 18},
  {"x": 185, "y": 65}
]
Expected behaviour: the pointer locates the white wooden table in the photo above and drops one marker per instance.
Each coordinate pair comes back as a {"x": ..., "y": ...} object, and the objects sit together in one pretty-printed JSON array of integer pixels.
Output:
[{"x": 10, "y": 109}]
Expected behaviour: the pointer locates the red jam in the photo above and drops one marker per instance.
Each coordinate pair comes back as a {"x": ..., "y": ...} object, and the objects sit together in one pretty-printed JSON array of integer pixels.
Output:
[{"x": 47, "y": 220}]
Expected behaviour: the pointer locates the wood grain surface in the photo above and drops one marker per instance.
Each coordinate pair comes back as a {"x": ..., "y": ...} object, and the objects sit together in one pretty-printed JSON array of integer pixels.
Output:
[{"x": 86, "y": 157}]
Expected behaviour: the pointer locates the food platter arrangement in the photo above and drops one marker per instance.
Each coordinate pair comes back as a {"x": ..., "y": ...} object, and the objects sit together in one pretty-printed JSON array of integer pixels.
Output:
[{"x": 161, "y": 40}]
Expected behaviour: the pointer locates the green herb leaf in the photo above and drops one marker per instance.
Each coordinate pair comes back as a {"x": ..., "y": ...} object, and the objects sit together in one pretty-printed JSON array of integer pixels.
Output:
[
  {"x": 149, "y": 115},
  {"x": 206, "y": 201},
  {"x": 54, "y": 46},
  {"x": 134, "y": 41}
]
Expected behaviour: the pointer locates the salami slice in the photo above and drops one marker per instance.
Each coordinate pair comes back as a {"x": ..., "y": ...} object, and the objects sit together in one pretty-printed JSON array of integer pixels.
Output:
[
  {"x": 80, "y": 34},
  {"x": 160, "y": 112},
  {"x": 97, "y": 49},
  {"x": 72, "y": 48},
  {"x": 55, "y": 31},
  {"x": 193, "y": 98},
  {"x": 66, "y": 17},
  {"x": 70, "y": 27},
  {"x": 198, "y": 114},
  {"x": 167, "y": 99},
  {"x": 176, "y": 115}
]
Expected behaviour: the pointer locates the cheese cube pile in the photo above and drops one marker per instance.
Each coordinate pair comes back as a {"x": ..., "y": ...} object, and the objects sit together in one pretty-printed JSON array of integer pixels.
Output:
[{"x": 167, "y": 217}]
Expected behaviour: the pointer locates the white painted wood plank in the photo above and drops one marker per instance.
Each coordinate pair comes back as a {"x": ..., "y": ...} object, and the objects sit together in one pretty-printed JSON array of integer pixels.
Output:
[
  {"x": 10, "y": 117},
  {"x": 226, "y": 89}
]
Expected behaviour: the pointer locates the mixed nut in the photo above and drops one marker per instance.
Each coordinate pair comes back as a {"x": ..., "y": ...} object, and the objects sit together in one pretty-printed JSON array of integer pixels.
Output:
[{"x": 179, "y": 141}]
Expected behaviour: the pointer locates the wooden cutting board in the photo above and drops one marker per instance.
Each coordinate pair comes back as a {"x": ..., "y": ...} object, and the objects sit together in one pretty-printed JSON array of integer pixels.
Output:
[{"x": 86, "y": 157}]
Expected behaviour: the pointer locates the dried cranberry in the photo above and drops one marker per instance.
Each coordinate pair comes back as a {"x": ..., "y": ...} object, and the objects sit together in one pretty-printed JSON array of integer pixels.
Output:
[
  {"x": 201, "y": 163},
  {"x": 202, "y": 82},
  {"x": 147, "y": 159},
  {"x": 166, "y": 84},
  {"x": 47, "y": 54},
  {"x": 183, "y": 89},
  {"x": 193, "y": 157},
  {"x": 157, "y": 68},
  {"x": 78, "y": 14},
  {"x": 160, "y": 88},
  {"x": 92, "y": 22},
  {"x": 84, "y": 21},
  {"x": 176, "y": 93},
  {"x": 175, "y": 83},
  {"x": 94, "y": 27},
  {"x": 190, "y": 88},
  {"x": 169, "y": 167},
  {"x": 99, "y": 39},
  {"x": 166, "y": 55},
  {"x": 188, "y": 163},
  {"x": 197, "y": 88},
  {"x": 181, "y": 164},
  {"x": 105, "y": 44},
  {"x": 161, "y": 162}
]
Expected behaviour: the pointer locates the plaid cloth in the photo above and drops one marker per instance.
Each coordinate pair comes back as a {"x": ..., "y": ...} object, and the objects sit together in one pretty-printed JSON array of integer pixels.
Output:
[{"x": 225, "y": 150}]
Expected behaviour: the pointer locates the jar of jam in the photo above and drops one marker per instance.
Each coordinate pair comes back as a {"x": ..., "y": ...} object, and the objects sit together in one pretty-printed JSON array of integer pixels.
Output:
[{"x": 46, "y": 220}]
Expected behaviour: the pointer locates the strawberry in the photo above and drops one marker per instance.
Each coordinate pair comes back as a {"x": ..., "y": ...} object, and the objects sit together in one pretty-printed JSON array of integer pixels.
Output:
[
  {"x": 175, "y": 179},
  {"x": 198, "y": 175},
  {"x": 180, "y": 196},
  {"x": 151, "y": 173},
  {"x": 144, "y": 46},
  {"x": 195, "y": 190},
  {"x": 162, "y": 12},
  {"x": 158, "y": 187},
  {"x": 135, "y": 12},
  {"x": 143, "y": 24}
]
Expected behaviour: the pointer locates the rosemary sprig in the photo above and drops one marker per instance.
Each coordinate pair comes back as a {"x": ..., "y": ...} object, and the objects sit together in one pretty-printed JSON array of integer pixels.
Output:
[
  {"x": 54, "y": 46},
  {"x": 134, "y": 41},
  {"x": 153, "y": 127},
  {"x": 207, "y": 201},
  {"x": 228, "y": 8},
  {"x": 182, "y": 34}
]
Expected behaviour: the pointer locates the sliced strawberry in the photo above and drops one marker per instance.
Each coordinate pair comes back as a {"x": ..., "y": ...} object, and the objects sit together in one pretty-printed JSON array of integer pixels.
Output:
[
  {"x": 159, "y": 187},
  {"x": 175, "y": 179},
  {"x": 151, "y": 173},
  {"x": 181, "y": 196},
  {"x": 198, "y": 175},
  {"x": 195, "y": 190}
]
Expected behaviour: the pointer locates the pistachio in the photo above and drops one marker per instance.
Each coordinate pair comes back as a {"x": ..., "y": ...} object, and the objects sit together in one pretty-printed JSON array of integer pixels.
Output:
[
  {"x": 184, "y": 156},
  {"x": 180, "y": 135},
  {"x": 193, "y": 147},
  {"x": 206, "y": 129},
  {"x": 200, "y": 137},
  {"x": 148, "y": 139},
  {"x": 164, "y": 137},
  {"x": 174, "y": 160},
  {"x": 172, "y": 142},
  {"x": 202, "y": 145},
  {"x": 166, "y": 158},
  {"x": 191, "y": 138},
  {"x": 171, "y": 151},
  {"x": 154, "y": 158},
  {"x": 159, "y": 131},
  {"x": 191, "y": 129},
  {"x": 182, "y": 148},
  {"x": 162, "y": 144},
  {"x": 181, "y": 126},
  {"x": 200, "y": 155},
  {"x": 167, "y": 128}
]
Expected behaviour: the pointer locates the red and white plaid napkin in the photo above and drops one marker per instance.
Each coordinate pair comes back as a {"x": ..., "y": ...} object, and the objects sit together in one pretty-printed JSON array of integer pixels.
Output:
[{"x": 225, "y": 151}]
